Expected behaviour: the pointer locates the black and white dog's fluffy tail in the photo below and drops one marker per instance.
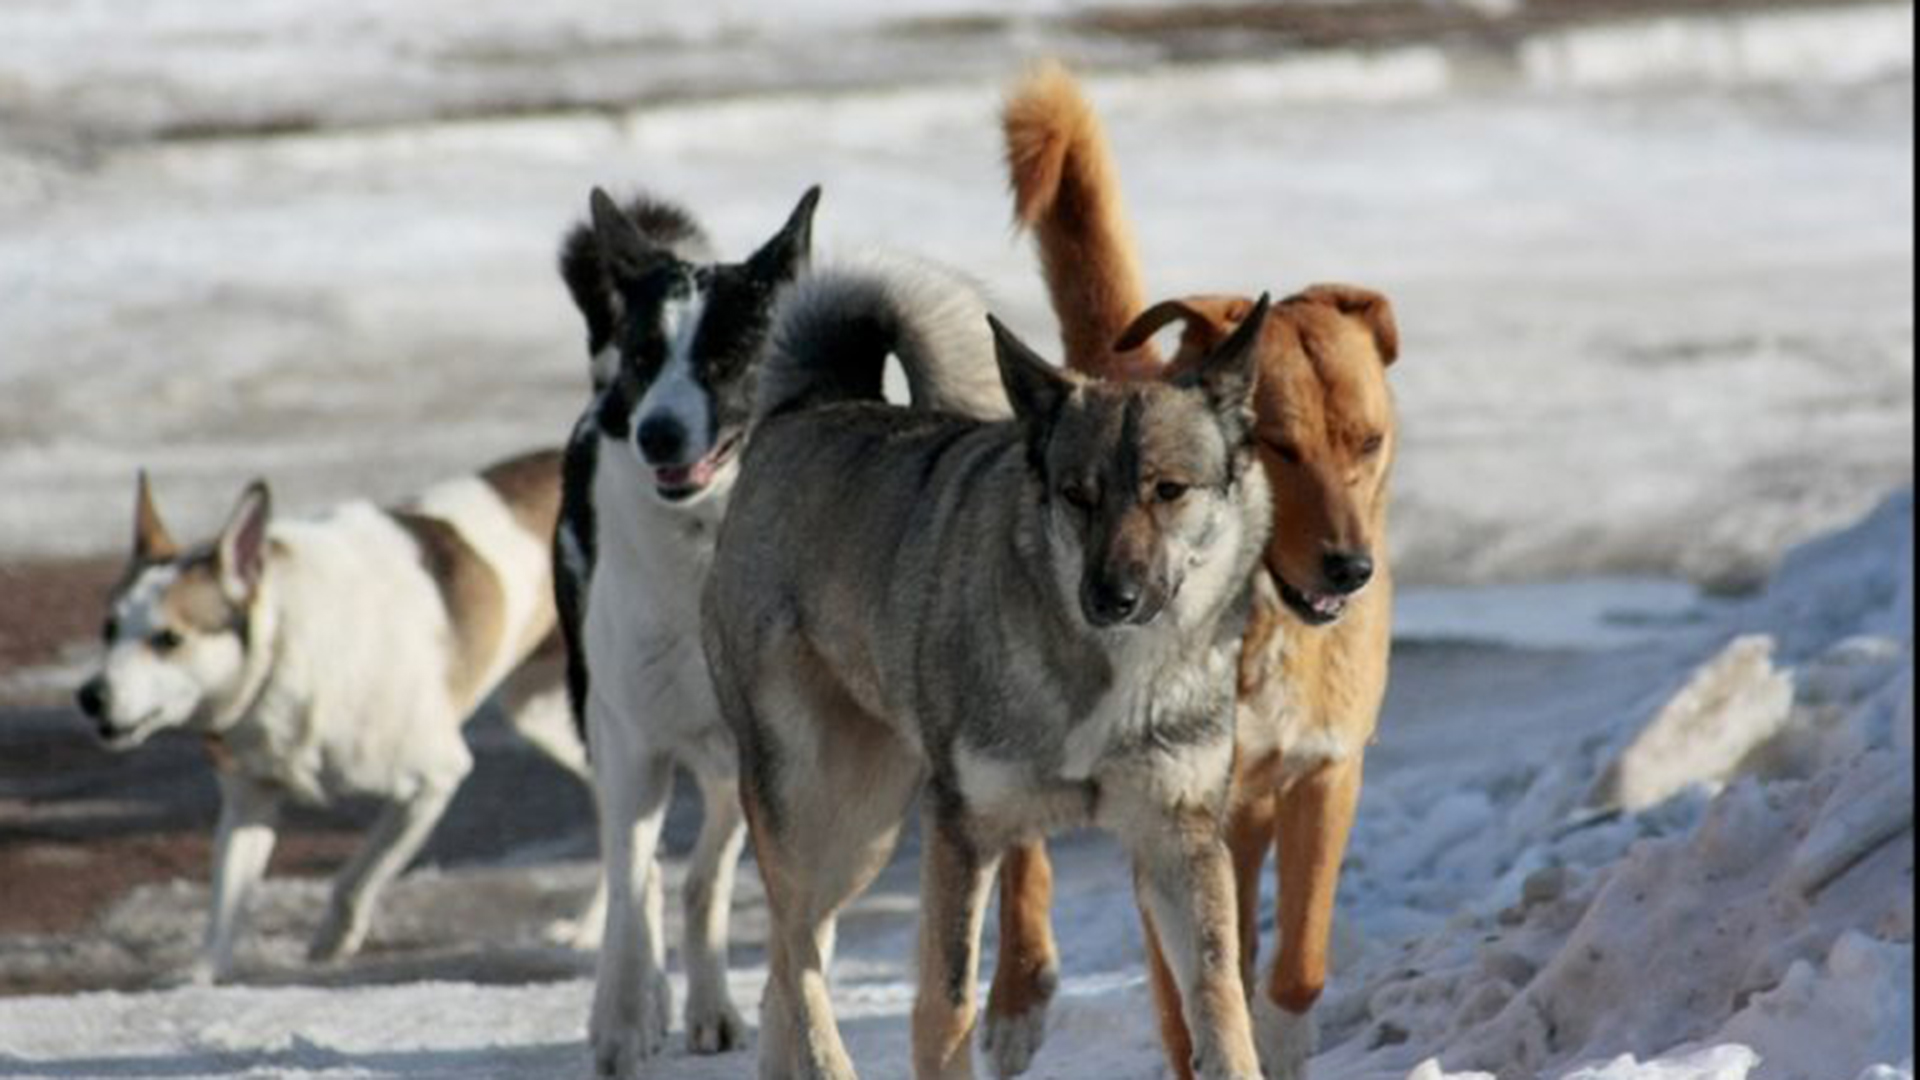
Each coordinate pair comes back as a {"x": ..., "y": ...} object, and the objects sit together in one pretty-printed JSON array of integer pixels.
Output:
[{"x": 834, "y": 331}]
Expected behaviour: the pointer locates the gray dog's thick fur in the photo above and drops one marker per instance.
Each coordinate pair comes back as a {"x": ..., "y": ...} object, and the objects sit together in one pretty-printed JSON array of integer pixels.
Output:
[{"x": 906, "y": 596}]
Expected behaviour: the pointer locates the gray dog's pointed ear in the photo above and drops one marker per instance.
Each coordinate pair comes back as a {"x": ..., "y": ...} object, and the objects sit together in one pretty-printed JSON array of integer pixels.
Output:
[
  {"x": 783, "y": 257},
  {"x": 1036, "y": 388},
  {"x": 241, "y": 551},
  {"x": 1228, "y": 373},
  {"x": 624, "y": 250},
  {"x": 151, "y": 540}
]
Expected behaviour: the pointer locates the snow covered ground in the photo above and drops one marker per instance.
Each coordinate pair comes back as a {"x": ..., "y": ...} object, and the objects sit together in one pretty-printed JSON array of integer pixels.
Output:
[
  {"x": 1656, "y": 280},
  {"x": 1532, "y": 894}
]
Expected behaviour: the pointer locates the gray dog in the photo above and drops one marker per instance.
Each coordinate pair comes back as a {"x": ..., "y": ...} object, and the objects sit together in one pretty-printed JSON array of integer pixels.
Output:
[{"x": 1036, "y": 618}]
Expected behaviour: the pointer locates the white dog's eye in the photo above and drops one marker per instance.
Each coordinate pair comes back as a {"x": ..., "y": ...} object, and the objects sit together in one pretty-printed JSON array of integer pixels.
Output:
[{"x": 164, "y": 641}]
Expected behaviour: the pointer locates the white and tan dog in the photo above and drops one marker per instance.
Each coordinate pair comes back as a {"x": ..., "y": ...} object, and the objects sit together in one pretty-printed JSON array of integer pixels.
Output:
[{"x": 338, "y": 656}]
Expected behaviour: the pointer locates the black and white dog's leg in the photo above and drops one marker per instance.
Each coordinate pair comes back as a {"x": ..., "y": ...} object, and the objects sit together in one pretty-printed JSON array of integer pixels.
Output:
[
  {"x": 632, "y": 1002},
  {"x": 713, "y": 1026},
  {"x": 398, "y": 835},
  {"x": 242, "y": 844}
]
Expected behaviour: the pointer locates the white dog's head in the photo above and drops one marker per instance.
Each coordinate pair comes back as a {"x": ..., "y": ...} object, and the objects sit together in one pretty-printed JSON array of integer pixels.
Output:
[{"x": 178, "y": 626}]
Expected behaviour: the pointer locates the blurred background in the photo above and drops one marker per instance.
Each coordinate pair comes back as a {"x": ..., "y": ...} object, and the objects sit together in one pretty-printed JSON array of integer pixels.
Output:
[{"x": 1652, "y": 261}]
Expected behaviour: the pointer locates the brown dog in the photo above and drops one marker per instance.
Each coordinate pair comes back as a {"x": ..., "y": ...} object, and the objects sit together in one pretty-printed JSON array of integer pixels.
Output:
[{"x": 1314, "y": 667}]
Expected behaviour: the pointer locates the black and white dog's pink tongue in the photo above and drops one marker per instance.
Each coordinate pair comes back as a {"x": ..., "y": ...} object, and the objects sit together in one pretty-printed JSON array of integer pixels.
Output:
[{"x": 698, "y": 474}]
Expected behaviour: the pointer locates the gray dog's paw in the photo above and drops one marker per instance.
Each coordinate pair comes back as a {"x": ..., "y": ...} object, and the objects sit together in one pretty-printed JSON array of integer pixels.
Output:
[{"x": 1285, "y": 1039}]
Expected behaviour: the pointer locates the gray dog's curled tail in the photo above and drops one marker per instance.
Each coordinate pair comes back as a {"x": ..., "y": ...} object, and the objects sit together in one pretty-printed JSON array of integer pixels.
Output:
[{"x": 836, "y": 327}]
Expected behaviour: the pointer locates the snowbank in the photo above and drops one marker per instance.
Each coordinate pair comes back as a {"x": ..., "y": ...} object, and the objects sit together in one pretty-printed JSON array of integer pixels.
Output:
[{"x": 1748, "y": 915}]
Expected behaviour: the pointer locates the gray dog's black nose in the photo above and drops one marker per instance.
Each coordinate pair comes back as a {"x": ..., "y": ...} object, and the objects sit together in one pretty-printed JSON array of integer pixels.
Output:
[
  {"x": 1111, "y": 602},
  {"x": 1347, "y": 571},
  {"x": 93, "y": 697},
  {"x": 662, "y": 440}
]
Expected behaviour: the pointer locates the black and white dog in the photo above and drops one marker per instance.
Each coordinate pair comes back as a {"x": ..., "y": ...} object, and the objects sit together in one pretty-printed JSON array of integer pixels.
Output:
[{"x": 675, "y": 337}]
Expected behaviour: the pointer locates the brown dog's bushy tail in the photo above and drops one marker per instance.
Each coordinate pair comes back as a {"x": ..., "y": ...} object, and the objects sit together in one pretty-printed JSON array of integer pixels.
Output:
[{"x": 1066, "y": 189}]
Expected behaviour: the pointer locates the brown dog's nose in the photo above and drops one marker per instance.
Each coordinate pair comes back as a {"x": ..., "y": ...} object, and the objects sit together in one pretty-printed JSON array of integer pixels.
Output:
[{"x": 1347, "y": 571}]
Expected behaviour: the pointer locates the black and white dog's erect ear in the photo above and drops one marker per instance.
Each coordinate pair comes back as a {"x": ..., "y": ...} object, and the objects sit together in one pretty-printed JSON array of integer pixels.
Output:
[
  {"x": 786, "y": 254},
  {"x": 241, "y": 551},
  {"x": 625, "y": 251}
]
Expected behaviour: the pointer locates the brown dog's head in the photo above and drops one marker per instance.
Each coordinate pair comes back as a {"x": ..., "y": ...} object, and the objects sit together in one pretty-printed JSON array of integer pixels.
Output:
[{"x": 1323, "y": 427}]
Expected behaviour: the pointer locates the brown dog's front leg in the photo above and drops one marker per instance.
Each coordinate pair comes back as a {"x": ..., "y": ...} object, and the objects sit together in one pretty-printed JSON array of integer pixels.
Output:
[
  {"x": 1027, "y": 970},
  {"x": 1316, "y": 817}
]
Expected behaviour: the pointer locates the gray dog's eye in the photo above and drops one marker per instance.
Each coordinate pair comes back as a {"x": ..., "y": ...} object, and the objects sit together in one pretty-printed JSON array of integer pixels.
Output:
[
  {"x": 1169, "y": 491},
  {"x": 1079, "y": 496}
]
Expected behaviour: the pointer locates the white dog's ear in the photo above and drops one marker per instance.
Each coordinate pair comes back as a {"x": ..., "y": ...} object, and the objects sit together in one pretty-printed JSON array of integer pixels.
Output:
[
  {"x": 241, "y": 551},
  {"x": 151, "y": 540},
  {"x": 1036, "y": 388}
]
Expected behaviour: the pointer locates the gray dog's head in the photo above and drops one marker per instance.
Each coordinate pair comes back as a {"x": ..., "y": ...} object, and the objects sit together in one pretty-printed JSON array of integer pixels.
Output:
[
  {"x": 177, "y": 628},
  {"x": 1141, "y": 481}
]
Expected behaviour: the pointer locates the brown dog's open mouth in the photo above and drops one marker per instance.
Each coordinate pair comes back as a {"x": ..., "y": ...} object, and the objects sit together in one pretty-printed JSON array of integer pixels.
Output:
[
  {"x": 678, "y": 482},
  {"x": 1314, "y": 609}
]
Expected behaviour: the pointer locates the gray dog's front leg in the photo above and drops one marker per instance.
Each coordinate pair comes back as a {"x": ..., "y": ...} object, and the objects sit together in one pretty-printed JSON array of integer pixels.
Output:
[{"x": 1184, "y": 877}]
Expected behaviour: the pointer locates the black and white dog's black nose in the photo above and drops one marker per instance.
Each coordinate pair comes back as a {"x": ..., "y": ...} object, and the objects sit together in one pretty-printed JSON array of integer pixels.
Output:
[
  {"x": 94, "y": 697},
  {"x": 662, "y": 439}
]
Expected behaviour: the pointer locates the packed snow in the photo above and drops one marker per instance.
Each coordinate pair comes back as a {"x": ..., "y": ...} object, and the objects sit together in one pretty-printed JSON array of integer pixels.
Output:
[
  {"x": 1656, "y": 282},
  {"x": 1506, "y": 914}
]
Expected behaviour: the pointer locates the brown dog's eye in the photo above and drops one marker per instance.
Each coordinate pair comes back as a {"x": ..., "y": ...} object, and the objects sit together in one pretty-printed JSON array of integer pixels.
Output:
[
  {"x": 1287, "y": 452},
  {"x": 1169, "y": 491},
  {"x": 164, "y": 640},
  {"x": 1373, "y": 445}
]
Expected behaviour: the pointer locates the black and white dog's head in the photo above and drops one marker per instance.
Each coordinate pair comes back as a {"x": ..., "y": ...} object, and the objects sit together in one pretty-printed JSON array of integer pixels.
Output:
[
  {"x": 179, "y": 626},
  {"x": 675, "y": 335}
]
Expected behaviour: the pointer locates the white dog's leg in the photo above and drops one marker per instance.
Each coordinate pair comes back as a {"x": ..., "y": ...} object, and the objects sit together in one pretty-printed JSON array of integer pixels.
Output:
[
  {"x": 632, "y": 1003},
  {"x": 241, "y": 847},
  {"x": 397, "y": 837},
  {"x": 712, "y": 1024}
]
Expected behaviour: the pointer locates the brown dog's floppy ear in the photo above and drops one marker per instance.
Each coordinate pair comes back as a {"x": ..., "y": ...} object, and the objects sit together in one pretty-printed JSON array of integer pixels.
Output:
[
  {"x": 1371, "y": 308},
  {"x": 1208, "y": 320},
  {"x": 151, "y": 540}
]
